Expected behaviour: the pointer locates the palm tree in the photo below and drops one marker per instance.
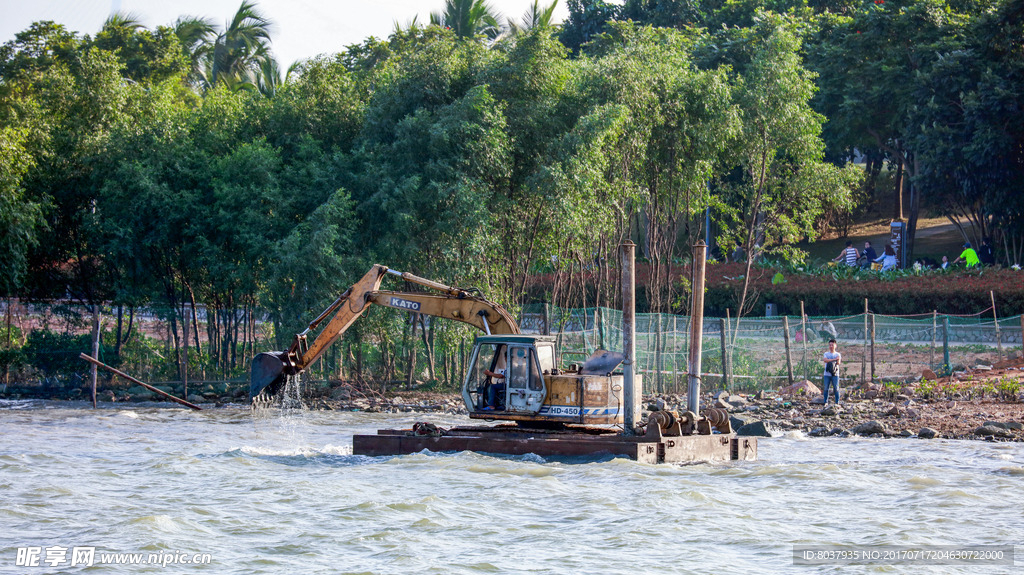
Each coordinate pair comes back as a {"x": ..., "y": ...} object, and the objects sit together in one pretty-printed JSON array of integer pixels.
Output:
[
  {"x": 195, "y": 36},
  {"x": 126, "y": 20},
  {"x": 240, "y": 50},
  {"x": 237, "y": 57},
  {"x": 467, "y": 18},
  {"x": 534, "y": 17}
]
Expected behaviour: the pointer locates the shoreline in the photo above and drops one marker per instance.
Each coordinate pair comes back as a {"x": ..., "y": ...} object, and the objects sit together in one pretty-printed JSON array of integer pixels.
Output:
[{"x": 765, "y": 414}]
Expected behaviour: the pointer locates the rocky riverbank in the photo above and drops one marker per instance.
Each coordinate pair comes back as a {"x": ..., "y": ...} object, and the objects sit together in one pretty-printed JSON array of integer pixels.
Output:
[
  {"x": 946, "y": 407},
  {"x": 770, "y": 414}
]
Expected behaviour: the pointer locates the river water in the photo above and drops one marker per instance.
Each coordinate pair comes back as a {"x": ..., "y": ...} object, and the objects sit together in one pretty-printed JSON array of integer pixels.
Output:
[{"x": 282, "y": 493}]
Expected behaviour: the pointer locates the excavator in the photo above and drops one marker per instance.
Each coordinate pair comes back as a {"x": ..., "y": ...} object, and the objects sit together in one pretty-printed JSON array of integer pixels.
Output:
[{"x": 511, "y": 376}]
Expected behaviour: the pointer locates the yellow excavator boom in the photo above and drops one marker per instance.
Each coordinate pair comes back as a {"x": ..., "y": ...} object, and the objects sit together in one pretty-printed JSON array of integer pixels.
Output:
[{"x": 270, "y": 369}]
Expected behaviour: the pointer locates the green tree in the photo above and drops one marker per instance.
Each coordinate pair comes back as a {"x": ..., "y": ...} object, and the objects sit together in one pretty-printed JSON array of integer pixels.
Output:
[
  {"x": 146, "y": 56},
  {"x": 781, "y": 184},
  {"x": 20, "y": 218},
  {"x": 680, "y": 122},
  {"x": 870, "y": 66},
  {"x": 468, "y": 18},
  {"x": 535, "y": 16}
]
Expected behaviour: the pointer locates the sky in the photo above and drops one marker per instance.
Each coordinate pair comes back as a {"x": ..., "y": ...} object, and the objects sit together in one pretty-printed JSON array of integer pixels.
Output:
[{"x": 302, "y": 28}]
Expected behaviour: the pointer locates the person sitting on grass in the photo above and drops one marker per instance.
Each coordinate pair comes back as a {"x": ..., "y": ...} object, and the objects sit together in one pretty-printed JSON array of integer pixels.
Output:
[
  {"x": 888, "y": 259},
  {"x": 848, "y": 255},
  {"x": 969, "y": 256},
  {"x": 868, "y": 255}
]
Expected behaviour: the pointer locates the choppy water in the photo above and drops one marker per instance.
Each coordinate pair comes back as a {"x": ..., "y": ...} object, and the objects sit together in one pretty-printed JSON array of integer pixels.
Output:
[{"x": 283, "y": 494}]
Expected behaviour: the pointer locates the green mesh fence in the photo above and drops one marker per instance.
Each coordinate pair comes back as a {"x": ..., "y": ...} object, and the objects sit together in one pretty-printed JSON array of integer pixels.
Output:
[
  {"x": 891, "y": 348},
  {"x": 42, "y": 345}
]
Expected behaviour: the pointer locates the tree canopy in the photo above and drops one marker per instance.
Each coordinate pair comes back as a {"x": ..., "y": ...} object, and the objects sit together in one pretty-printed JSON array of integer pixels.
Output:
[{"x": 179, "y": 165}]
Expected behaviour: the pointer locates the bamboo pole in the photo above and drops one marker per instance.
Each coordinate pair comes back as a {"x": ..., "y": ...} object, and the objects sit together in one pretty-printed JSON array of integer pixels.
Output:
[
  {"x": 1022, "y": 335},
  {"x": 789, "y": 354},
  {"x": 723, "y": 326},
  {"x": 803, "y": 332},
  {"x": 98, "y": 363},
  {"x": 864, "y": 355},
  {"x": 935, "y": 329},
  {"x": 995, "y": 321},
  {"x": 946, "y": 362},
  {"x": 93, "y": 376},
  {"x": 872, "y": 347}
]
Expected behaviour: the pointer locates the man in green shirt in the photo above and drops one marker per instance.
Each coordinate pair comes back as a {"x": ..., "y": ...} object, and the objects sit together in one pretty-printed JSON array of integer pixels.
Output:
[{"x": 969, "y": 256}]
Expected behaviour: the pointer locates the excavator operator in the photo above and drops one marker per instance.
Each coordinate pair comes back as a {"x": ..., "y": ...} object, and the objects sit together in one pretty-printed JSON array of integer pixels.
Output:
[{"x": 495, "y": 389}]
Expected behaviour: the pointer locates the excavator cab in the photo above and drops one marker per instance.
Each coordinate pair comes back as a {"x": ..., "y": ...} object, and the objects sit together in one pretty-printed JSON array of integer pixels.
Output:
[{"x": 506, "y": 374}]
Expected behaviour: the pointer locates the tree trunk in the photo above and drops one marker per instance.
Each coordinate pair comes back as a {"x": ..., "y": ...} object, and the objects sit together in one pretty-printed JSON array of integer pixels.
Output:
[
  {"x": 898, "y": 207},
  {"x": 428, "y": 344},
  {"x": 915, "y": 208},
  {"x": 411, "y": 342},
  {"x": 117, "y": 337}
]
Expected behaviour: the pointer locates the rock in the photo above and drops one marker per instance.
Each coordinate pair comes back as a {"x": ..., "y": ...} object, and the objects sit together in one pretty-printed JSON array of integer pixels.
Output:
[
  {"x": 193, "y": 398},
  {"x": 871, "y": 393},
  {"x": 991, "y": 430},
  {"x": 929, "y": 375},
  {"x": 758, "y": 429},
  {"x": 722, "y": 404},
  {"x": 1014, "y": 425},
  {"x": 830, "y": 410},
  {"x": 869, "y": 428},
  {"x": 906, "y": 433},
  {"x": 738, "y": 400},
  {"x": 341, "y": 393},
  {"x": 139, "y": 393},
  {"x": 818, "y": 432},
  {"x": 801, "y": 388},
  {"x": 660, "y": 404},
  {"x": 927, "y": 433},
  {"x": 913, "y": 413},
  {"x": 893, "y": 411},
  {"x": 903, "y": 397},
  {"x": 739, "y": 420},
  {"x": 210, "y": 395},
  {"x": 998, "y": 424}
]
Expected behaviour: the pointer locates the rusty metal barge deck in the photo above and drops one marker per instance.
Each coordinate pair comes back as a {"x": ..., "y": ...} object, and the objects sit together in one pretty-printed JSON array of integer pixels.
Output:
[{"x": 652, "y": 447}]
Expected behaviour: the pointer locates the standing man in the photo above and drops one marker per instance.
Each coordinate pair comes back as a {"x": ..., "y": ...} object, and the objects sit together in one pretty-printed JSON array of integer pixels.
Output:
[
  {"x": 985, "y": 253},
  {"x": 832, "y": 359}
]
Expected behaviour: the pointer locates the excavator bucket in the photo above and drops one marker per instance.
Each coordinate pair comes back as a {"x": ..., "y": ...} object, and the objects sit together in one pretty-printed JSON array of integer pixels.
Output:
[{"x": 268, "y": 374}]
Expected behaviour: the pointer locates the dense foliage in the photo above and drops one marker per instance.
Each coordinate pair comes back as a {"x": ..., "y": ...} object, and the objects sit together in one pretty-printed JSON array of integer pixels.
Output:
[{"x": 178, "y": 166}]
